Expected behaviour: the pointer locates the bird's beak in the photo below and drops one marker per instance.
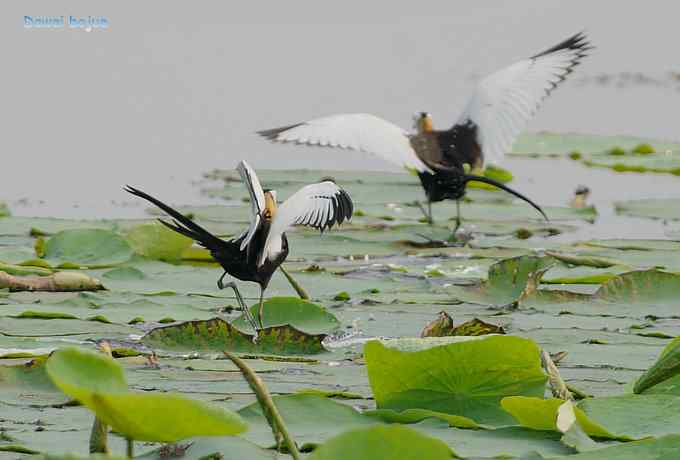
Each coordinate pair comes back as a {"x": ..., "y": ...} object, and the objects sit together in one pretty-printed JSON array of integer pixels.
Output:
[{"x": 486, "y": 180}]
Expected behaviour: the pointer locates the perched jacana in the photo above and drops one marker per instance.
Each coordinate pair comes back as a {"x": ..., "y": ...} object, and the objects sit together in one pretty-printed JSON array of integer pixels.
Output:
[
  {"x": 501, "y": 105},
  {"x": 256, "y": 253}
]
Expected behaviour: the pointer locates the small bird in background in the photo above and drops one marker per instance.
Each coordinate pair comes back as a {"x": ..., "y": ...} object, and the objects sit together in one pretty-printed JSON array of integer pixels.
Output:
[
  {"x": 256, "y": 253},
  {"x": 500, "y": 107},
  {"x": 581, "y": 195}
]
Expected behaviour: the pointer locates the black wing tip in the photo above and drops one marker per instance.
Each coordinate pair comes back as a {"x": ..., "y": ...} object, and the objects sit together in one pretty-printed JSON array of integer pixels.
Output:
[
  {"x": 578, "y": 42},
  {"x": 273, "y": 133}
]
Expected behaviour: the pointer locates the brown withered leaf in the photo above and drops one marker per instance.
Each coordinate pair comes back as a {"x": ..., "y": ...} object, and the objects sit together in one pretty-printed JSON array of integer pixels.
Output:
[{"x": 443, "y": 327}]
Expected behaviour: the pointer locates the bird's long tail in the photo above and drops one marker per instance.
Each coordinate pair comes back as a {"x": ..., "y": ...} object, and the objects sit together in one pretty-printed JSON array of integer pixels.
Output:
[
  {"x": 486, "y": 180},
  {"x": 181, "y": 224}
]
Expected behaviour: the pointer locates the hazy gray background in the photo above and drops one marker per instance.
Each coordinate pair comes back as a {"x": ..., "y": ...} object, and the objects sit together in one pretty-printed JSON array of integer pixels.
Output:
[{"x": 174, "y": 89}]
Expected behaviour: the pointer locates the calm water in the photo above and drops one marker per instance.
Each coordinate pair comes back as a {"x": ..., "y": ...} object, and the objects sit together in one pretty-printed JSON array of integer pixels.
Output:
[{"x": 171, "y": 91}]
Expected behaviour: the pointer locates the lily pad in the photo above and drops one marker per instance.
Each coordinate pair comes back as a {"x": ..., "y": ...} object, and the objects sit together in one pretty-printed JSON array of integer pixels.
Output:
[
  {"x": 622, "y": 417},
  {"x": 145, "y": 417},
  {"x": 80, "y": 374},
  {"x": 300, "y": 314},
  {"x": 553, "y": 144},
  {"x": 218, "y": 335},
  {"x": 87, "y": 247},
  {"x": 468, "y": 378},
  {"x": 155, "y": 241},
  {"x": 666, "y": 367},
  {"x": 443, "y": 327},
  {"x": 383, "y": 442},
  {"x": 651, "y": 208},
  {"x": 509, "y": 281}
]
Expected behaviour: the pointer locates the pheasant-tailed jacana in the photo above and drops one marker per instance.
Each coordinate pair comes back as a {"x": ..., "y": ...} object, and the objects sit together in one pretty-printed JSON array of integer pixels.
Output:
[
  {"x": 256, "y": 253},
  {"x": 501, "y": 105}
]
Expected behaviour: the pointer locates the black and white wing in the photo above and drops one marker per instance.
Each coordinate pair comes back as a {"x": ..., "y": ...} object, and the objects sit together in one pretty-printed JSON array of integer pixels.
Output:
[
  {"x": 354, "y": 131},
  {"x": 319, "y": 205},
  {"x": 506, "y": 100},
  {"x": 257, "y": 203}
]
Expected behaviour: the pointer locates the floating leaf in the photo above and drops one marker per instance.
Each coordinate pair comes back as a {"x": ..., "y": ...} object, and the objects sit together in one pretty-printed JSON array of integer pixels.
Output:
[
  {"x": 443, "y": 327},
  {"x": 468, "y": 378},
  {"x": 385, "y": 442},
  {"x": 651, "y": 208},
  {"x": 124, "y": 274},
  {"x": 80, "y": 374},
  {"x": 155, "y": 241},
  {"x": 541, "y": 414},
  {"x": 154, "y": 417},
  {"x": 622, "y": 417},
  {"x": 418, "y": 415},
  {"x": 87, "y": 247},
  {"x": 218, "y": 335},
  {"x": 666, "y": 366},
  {"x": 300, "y": 314},
  {"x": 509, "y": 281}
]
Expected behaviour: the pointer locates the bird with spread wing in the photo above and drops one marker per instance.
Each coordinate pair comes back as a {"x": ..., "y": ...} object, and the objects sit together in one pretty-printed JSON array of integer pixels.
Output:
[
  {"x": 256, "y": 253},
  {"x": 500, "y": 107}
]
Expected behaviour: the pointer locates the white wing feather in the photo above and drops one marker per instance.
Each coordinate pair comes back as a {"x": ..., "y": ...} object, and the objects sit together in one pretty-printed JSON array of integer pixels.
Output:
[
  {"x": 354, "y": 131},
  {"x": 506, "y": 100},
  {"x": 257, "y": 203},
  {"x": 320, "y": 205}
]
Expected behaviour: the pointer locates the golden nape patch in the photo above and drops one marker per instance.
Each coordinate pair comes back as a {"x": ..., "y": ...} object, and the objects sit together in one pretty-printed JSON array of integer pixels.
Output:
[{"x": 269, "y": 206}]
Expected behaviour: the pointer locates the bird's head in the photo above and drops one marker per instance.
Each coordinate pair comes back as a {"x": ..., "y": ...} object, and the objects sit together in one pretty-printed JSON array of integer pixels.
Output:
[
  {"x": 422, "y": 122},
  {"x": 269, "y": 204}
]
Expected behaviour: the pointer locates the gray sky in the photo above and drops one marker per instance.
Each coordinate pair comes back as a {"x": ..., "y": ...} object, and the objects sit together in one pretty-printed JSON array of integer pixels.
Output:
[{"x": 173, "y": 89}]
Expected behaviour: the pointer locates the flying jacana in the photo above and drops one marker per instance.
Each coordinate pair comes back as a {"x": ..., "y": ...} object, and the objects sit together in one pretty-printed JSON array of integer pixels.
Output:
[
  {"x": 256, "y": 253},
  {"x": 501, "y": 105}
]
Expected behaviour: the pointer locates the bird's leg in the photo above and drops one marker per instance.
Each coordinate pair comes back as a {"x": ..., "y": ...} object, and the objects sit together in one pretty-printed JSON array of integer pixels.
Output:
[
  {"x": 244, "y": 308},
  {"x": 457, "y": 216},
  {"x": 453, "y": 238},
  {"x": 220, "y": 283},
  {"x": 261, "y": 309},
  {"x": 428, "y": 213}
]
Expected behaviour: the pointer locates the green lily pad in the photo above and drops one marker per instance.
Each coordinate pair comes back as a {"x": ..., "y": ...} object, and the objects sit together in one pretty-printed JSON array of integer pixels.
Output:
[
  {"x": 393, "y": 441},
  {"x": 541, "y": 414},
  {"x": 98, "y": 382},
  {"x": 651, "y": 208},
  {"x": 622, "y": 417},
  {"x": 203, "y": 448},
  {"x": 300, "y": 314},
  {"x": 666, "y": 367},
  {"x": 509, "y": 281},
  {"x": 311, "y": 419},
  {"x": 662, "y": 162},
  {"x": 557, "y": 144},
  {"x": 418, "y": 415},
  {"x": 80, "y": 374},
  {"x": 146, "y": 417},
  {"x": 124, "y": 274},
  {"x": 665, "y": 447},
  {"x": 155, "y": 241},
  {"x": 468, "y": 378},
  {"x": 87, "y": 247},
  {"x": 218, "y": 335}
]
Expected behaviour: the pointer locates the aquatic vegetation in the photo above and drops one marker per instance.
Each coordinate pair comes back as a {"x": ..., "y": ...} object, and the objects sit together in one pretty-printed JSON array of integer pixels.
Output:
[{"x": 605, "y": 309}]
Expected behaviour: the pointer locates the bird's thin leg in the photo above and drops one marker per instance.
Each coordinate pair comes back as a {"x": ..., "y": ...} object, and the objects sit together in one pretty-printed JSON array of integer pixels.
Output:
[
  {"x": 260, "y": 311},
  {"x": 427, "y": 213},
  {"x": 220, "y": 282},
  {"x": 244, "y": 308},
  {"x": 457, "y": 216}
]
